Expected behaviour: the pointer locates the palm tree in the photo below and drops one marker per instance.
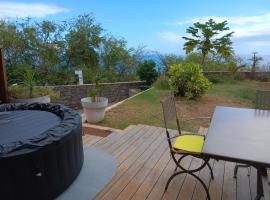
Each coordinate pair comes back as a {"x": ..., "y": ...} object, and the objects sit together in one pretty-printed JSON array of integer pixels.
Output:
[{"x": 209, "y": 37}]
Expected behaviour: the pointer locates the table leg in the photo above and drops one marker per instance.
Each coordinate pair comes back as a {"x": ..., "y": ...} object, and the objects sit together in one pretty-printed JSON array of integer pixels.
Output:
[
  {"x": 262, "y": 184},
  {"x": 259, "y": 185}
]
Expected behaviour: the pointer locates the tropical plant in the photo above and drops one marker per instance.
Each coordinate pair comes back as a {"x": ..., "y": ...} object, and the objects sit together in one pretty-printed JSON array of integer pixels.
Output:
[
  {"x": 28, "y": 88},
  {"x": 147, "y": 71},
  {"x": 187, "y": 80},
  {"x": 29, "y": 81},
  {"x": 209, "y": 38},
  {"x": 98, "y": 88}
]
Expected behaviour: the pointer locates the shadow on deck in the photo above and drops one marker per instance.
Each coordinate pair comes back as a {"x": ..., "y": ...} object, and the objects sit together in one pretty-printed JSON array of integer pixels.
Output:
[{"x": 144, "y": 166}]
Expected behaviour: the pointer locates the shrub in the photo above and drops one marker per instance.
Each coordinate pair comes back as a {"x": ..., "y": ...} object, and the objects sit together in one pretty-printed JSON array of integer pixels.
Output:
[
  {"x": 187, "y": 80},
  {"x": 162, "y": 83},
  {"x": 148, "y": 72}
]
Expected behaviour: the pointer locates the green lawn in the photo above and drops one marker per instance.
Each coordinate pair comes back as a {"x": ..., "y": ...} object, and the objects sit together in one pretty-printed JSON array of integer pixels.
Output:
[{"x": 146, "y": 108}]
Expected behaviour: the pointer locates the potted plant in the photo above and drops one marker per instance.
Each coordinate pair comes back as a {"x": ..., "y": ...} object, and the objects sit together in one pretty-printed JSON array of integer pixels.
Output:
[
  {"x": 28, "y": 92},
  {"x": 94, "y": 106}
]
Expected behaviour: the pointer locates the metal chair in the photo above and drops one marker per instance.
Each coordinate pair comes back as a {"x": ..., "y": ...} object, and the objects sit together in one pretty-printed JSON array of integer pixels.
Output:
[
  {"x": 262, "y": 102},
  {"x": 184, "y": 145}
]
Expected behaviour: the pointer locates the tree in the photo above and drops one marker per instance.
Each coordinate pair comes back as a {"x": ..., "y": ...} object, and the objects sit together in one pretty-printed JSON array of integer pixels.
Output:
[
  {"x": 166, "y": 60},
  {"x": 148, "y": 72},
  {"x": 209, "y": 37},
  {"x": 56, "y": 49},
  {"x": 82, "y": 41},
  {"x": 255, "y": 60}
]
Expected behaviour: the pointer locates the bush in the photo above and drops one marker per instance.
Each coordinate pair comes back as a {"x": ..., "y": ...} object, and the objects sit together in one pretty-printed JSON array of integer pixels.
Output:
[
  {"x": 187, "y": 80},
  {"x": 162, "y": 83},
  {"x": 148, "y": 72}
]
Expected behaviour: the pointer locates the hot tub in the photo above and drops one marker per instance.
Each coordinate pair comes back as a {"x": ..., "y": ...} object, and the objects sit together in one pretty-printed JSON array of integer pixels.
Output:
[{"x": 41, "y": 150}]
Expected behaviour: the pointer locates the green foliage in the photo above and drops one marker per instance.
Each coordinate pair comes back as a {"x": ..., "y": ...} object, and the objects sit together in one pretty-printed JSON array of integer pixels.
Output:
[
  {"x": 219, "y": 78},
  {"x": 29, "y": 81},
  {"x": 28, "y": 88},
  {"x": 148, "y": 72},
  {"x": 234, "y": 69},
  {"x": 22, "y": 92},
  {"x": 187, "y": 80},
  {"x": 162, "y": 83},
  {"x": 98, "y": 89},
  {"x": 55, "y": 50},
  {"x": 166, "y": 60},
  {"x": 209, "y": 38}
]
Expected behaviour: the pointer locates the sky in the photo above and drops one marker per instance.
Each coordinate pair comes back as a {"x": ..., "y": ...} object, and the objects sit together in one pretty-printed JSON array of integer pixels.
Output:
[{"x": 158, "y": 24}]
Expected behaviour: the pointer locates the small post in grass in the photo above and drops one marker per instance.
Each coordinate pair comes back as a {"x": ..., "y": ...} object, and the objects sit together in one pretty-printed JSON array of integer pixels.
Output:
[{"x": 3, "y": 79}]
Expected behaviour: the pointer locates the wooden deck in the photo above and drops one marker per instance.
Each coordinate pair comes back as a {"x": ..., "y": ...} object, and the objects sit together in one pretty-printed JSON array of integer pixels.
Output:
[{"x": 144, "y": 166}]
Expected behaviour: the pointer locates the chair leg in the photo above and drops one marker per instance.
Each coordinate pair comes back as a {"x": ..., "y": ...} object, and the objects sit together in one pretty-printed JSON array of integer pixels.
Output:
[
  {"x": 211, "y": 171},
  {"x": 195, "y": 176},
  {"x": 171, "y": 178},
  {"x": 178, "y": 161}
]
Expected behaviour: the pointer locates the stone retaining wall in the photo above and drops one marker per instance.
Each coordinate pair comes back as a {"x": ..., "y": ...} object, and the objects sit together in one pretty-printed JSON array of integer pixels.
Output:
[{"x": 70, "y": 95}]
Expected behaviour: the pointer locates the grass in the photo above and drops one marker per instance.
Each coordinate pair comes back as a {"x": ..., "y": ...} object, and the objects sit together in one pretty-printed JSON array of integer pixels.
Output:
[
  {"x": 146, "y": 108},
  {"x": 243, "y": 91}
]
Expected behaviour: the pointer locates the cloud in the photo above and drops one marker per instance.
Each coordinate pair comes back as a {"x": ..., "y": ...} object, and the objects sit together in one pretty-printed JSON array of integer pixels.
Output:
[
  {"x": 22, "y": 10},
  {"x": 170, "y": 36},
  {"x": 234, "y": 20},
  {"x": 257, "y": 40},
  {"x": 252, "y": 29}
]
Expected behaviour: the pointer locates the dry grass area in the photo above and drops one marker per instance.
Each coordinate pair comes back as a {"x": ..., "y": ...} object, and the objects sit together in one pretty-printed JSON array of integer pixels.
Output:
[{"x": 146, "y": 108}]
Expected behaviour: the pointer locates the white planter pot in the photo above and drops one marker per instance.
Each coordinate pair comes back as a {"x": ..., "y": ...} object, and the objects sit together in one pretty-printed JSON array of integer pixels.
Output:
[
  {"x": 94, "y": 111},
  {"x": 44, "y": 99}
]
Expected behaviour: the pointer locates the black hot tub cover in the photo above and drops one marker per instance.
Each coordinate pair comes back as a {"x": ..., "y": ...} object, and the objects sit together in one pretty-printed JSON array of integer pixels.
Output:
[{"x": 59, "y": 121}]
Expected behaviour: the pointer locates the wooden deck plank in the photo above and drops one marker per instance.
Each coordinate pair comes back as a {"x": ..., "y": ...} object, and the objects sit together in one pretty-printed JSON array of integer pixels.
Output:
[
  {"x": 130, "y": 146},
  {"x": 177, "y": 183},
  {"x": 229, "y": 184},
  {"x": 150, "y": 181},
  {"x": 92, "y": 139},
  {"x": 110, "y": 144},
  {"x": 187, "y": 190},
  {"x": 242, "y": 184},
  {"x": 253, "y": 182},
  {"x": 216, "y": 185},
  {"x": 132, "y": 158},
  {"x": 120, "y": 184},
  {"x": 137, "y": 180},
  {"x": 205, "y": 175},
  {"x": 158, "y": 189}
]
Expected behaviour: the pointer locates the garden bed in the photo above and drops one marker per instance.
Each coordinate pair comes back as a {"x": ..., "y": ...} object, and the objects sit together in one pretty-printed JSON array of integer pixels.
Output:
[{"x": 146, "y": 108}]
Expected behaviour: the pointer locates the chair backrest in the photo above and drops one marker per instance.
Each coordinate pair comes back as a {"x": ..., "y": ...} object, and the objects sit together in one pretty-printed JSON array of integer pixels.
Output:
[
  {"x": 262, "y": 100},
  {"x": 170, "y": 115}
]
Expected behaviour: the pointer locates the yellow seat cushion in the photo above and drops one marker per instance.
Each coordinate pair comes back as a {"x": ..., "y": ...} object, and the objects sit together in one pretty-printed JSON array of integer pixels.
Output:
[{"x": 189, "y": 143}]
